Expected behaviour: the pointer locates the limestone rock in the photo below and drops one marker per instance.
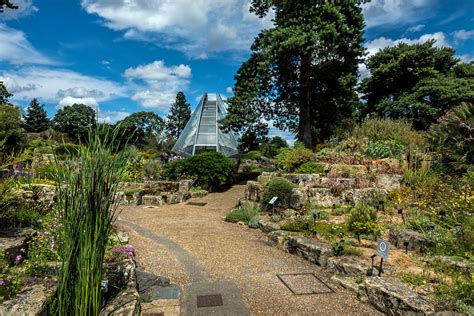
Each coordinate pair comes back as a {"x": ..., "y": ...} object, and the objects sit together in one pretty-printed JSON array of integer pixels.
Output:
[
  {"x": 178, "y": 197},
  {"x": 297, "y": 199},
  {"x": 128, "y": 186},
  {"x": 253, "y": 191},
  {"x": 416, "y": 241},
  {"x": 388, "y": 182},
  {"x": 14, "y": 242},
  {"x": 267, "y": 227},
  {"x": 243, "y": 203},
  {"x": 347, "y": 265},
  {"x": 198, "y": 194},
  {"x": 391, "y": 296},
  {"x": 32, "y": 300},
  {"x": 156, "y": 187},
  {"x": 369, "y": 195},
  {"x": 323, "y": 197},
  {"x": 185, "y": 185},
  {"x": 279, "y": 238},
  {"x": 154, "y": 200},
  {"x": 314, "y": 251}
]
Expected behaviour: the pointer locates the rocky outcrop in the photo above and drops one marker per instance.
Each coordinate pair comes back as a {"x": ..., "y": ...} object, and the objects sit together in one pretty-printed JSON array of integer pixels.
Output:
[
  {"x": 311, "y": 250},
  {"x": 388, "y": 182},
  {"x": 415, "y": 240},
  {"x": 392, "y": 297},
  {"x": 347, "y": 265},
  {"x": 14, "y": 242},
  {"x": 253, "y": 191},
  {"x": 32, "y": 300},
  {"x": 151, "y": 200},
  {"x": 267, "y": 227}
]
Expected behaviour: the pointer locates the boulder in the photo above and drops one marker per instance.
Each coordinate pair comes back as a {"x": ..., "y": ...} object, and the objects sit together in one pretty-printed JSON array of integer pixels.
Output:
[
  {"x": 416, "y": 241},
  {"x": 298, "y": 199},
  {"x": 243, "y": 203},
  {"x": 156, "y": 187},
  {"x": 392, "y": 297},
  {"x": 32, "y": 300},
  {"x": 128, "y": 186},
  {"x": 253, "y": 191},
  {"x": 178, "y": 197},
  {"x": 311, "y": 250},
  {"x": 267, "y": 227},
  {"x": 347, "y": 265},
  {"x": 185, "y": 185},
  {"x": 368, "y": 195},
  {"x": 279, "y": 238},
  {"x": 154, "y": 200},
  {"x": 388, "y": 182},
  {"x": 323, "y": 197},
  {"x": 198, "y": 194},
  {"x": 14, "y": 242}
]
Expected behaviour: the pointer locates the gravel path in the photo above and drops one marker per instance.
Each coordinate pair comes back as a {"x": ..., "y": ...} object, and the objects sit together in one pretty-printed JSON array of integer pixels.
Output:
[{"x": 190, "y": 244}]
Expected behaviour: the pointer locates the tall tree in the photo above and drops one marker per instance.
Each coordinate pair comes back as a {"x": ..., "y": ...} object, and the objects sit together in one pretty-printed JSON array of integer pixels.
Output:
[
  {"x": 11, "y": 132},
  {"x": 36, "y": 119},
  {"x": 418, "y": 82},
  {"x": 302, "y": 72},
  {"x": 179, "y": 115},
  {"x": 75, "y": 121},
  {"x": 8, "y": 4},
  {"x": 141, "y": 127},
  {"x": 4, "y": 94}
]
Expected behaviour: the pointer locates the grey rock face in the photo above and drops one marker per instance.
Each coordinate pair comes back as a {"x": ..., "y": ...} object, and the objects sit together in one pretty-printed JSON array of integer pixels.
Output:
[
  {"x": 347, "y": 265},
  {"x": 154, "y": 200},
  {"x": 14, "y": 242},
  {"x": 267, "y": 227},
  {"x": 32, "y": 300},
  {"x": 253, "y": 191},
  {"x": 314, "y": 251},
  {"x": 416, "y": 241},
  {"x": 388, "y": 181}
]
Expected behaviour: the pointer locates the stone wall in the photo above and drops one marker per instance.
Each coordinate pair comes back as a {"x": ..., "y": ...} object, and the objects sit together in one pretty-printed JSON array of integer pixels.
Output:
[{"x": 154, "y": 193}]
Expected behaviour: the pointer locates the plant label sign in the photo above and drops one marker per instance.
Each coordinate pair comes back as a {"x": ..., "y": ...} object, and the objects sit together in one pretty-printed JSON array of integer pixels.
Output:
[
  {"x": 273, "y": 200},
  {"x": 382, "y": 248}
]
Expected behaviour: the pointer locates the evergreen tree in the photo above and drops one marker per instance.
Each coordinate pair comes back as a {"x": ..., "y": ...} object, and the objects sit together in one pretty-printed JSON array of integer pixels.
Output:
[
  {"x": 36, "y": 118},
  {"x": 7, "y": 4},
  {"x": 302, "y": 72},
  {"x": 75, "y": 121},
  {"x": 141, "y": 128},
  {"x": 4, "y": 94},
  {"x": 179, "y": 115}
]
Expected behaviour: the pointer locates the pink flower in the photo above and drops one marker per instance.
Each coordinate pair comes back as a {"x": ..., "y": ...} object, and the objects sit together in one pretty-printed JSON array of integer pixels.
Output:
[
  {"x": 18, "y": 258},
  {"x": 1, "y": 282}
]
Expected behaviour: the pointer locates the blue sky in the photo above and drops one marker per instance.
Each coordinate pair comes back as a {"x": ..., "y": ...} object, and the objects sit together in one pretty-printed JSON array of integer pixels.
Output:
[{"x": 124, "y": 56}]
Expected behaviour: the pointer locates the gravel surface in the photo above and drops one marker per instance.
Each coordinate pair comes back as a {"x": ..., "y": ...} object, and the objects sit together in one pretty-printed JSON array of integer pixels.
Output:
[{"x": 235, "y": 253}]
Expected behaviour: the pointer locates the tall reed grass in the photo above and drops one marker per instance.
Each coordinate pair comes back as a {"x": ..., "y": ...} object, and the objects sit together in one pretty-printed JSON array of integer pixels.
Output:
[{"x": 86, "y": 191}]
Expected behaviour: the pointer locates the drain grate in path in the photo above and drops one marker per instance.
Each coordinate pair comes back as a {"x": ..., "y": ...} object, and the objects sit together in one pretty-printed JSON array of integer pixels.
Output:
[
  {"x": 196, "y": 203},
  {"x": 209, "y": 300},
  {"x": 304, "y": 284}
]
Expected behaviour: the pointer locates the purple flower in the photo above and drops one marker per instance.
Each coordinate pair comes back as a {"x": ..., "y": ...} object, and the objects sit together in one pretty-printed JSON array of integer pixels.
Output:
[
  {"x": 17, "y": 258},
  {"x": 1, "y": 282}
]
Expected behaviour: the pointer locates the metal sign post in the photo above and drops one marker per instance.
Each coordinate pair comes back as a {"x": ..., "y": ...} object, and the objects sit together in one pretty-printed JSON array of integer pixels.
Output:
[{"x": 272, "y": 203}]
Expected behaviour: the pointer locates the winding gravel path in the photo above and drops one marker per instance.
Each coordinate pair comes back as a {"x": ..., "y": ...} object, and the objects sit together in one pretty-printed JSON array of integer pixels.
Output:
[{"x": 204, "y": 255}]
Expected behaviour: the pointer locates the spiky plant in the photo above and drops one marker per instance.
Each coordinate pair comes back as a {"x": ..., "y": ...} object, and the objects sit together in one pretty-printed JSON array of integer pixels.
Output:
[{"x": 86, "y": 191}]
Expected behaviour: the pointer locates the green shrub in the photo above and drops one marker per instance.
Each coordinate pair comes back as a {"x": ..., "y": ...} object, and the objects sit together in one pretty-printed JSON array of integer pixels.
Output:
[
  {"x": 241, "y": 215},
  {"x": 377, "y": 149},
  {"x": 271, "y": 148},
  {"x": 210, "y": 169},
  {"x": 377, "y": 129},
  {"x": 311, "y": 167},
  {"x": 362, "y": 220},
  {"x": 276, "y": 218},
  {"x": 66, "y": 150},
  {"x": 253, "y": 222},
  {"x": 453, "y": 140},
  {"x": 252, "y": 155},
  {"x": 421, "y": 178},
  {"x": 152, "y": 169},
  {"x": 291, "y": 158},
  {"x": 279, "y": 187},
  {"x": 345, "y": 171},
  {"x": 352, "y": 251}
]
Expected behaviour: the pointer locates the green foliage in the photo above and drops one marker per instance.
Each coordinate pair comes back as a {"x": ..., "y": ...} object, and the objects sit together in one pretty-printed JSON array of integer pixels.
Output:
[
  {"x": 152, "y": 169},
  {"x": 420, "y": 178},
  {"x": 36, "y": 119},
  {"x": 311, "y": 167},
  {"x": 210, "y": 169},
  {"x": 291, "y": 158},
  {"x": 86, "y": 195},
  {"x": 362, "y": 220},
  {"x": 253, "y": 222},
  {"x": 66, "y": 150},
  {"x": 416, "y": 82},
  {"x": 387, "y": 129},
  {"x": 271, "y": 148},
  {"x": 75, "y": 121},
  {"x": 453, "y": 139},
  {"x": 385, "y": 149},
  {"x": 279, "y": 187},
  {"x": 140, "y": 128},
  {"x": 252, "y": 155},
  {"x": 415, "y": 279},
  {"x": 276, "y": 218},
  {"x": 133, "y": 171},
  {"x": 345, "y": 171},
  {"x": 326, "y": 230},
  {"x": 309, "y": 57},
  {"x": 241, "y": 215},
  {"x": 178, "y": 116},
  {"x": 11, "y": 133}
]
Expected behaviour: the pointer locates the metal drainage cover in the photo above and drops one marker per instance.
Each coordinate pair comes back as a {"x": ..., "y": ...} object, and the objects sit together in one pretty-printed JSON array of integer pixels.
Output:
[
  {"x": 209, "y": 300},
  {"x": 304, "y": 284},
  {"x": 196, "y": 203}
]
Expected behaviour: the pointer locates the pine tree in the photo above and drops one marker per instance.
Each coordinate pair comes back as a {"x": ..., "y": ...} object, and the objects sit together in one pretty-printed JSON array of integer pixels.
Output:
[
  {"x": 36, "y": 118},
  {"x": 179, "y": 115}
]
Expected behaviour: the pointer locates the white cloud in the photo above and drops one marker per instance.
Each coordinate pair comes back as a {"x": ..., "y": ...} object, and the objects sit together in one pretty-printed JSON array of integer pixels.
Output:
[
  {"x": 54, "y": 85},
  {"x": 466, "y": 58},
  {"x": 196, "y": 27},
  {"x": 229, "y": 90},
  {"x": 463, "y": 35},
  {"x": 416, "y": 28},
  {"x": 363, "y": 72},
  {"x": 16, "y": 49},
  {"x": 112, "y": 117},
  {"x": 395, "y": 12},
  {"x": 67, "y": 101},
  {"x": 25, "y": 7},
  {"x": 162, "y": 83},
  {"x": 377, "y": 44}
]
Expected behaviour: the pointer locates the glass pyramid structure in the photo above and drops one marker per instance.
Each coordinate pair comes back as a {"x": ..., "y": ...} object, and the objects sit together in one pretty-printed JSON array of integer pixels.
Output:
[{"x": 202, "y": 131}]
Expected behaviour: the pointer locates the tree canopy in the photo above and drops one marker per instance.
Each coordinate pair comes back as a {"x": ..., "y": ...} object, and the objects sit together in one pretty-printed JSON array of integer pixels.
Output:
[
  {"x": 75, "y": 121},
  {"x": 301, "y": 73},
  {"x": 140, "y": 127},
  {"x": 419, "y": 82},
  {"x": 8, "y": 4},
  {"x": 4, "y": 94},
  {"x": 178, "y": 116},
  {"x": 36, "y": 119}
]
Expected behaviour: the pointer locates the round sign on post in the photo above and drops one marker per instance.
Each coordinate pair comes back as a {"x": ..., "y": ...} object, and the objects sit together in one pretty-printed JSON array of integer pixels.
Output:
[{"x": 382, "y": 248}]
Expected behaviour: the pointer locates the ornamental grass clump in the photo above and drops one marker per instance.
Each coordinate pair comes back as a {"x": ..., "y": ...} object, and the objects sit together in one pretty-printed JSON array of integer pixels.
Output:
[{"x": 86, "y": 192}]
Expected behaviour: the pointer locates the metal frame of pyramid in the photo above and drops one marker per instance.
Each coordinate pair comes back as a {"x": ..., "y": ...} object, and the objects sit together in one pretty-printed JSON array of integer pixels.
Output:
[{"x": 202, "y": 131}]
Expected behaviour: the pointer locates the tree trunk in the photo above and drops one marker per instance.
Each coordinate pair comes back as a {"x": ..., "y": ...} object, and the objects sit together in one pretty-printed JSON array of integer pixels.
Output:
[{"x": 304, "y": 128}]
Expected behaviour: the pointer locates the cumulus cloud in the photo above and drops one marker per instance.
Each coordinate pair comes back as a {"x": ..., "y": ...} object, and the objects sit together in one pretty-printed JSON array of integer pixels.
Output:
[
  {"x": 25, "y": 7},
  {"x": 466, "y": 58},
  {"x": 377, "y": 44},
  {"x": 395, "y": 12},
  {"x": 196, "y": 27},
  {"x": 229, "y": 90},
  {"x": 67, "y": 101},
  {"x": 162, "y": 83},
  {"x": 16, "y": 49},
  {"x": 112, "y": 117},
  {"x": 54, "y": 85}
]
